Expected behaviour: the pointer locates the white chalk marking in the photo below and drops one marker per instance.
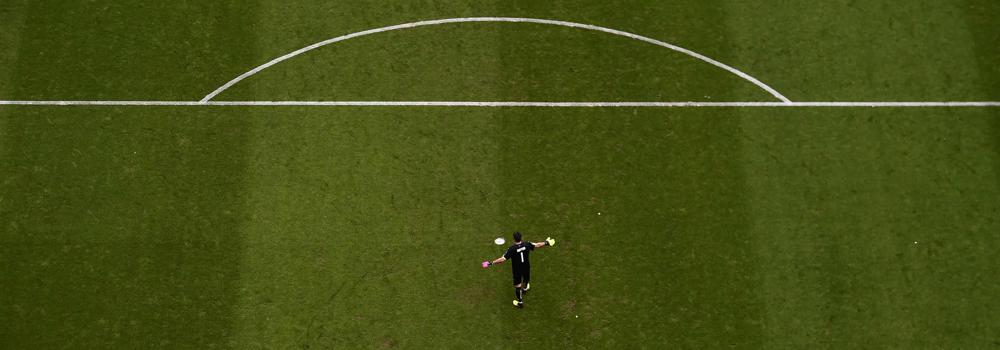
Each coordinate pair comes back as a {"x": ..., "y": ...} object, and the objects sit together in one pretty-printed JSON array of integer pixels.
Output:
[
  {"x": 501, "y": 104},
  {"x": 701, "y": 57}
]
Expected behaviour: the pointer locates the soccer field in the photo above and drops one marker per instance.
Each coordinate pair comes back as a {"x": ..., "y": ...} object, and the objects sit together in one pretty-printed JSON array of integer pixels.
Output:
[{"x": 329, "y": 175}]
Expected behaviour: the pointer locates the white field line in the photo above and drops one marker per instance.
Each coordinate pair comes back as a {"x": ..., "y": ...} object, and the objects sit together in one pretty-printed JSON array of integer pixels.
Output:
[
  {"x": 701, "y": 57},
  {"x": 500, "y": 104}
]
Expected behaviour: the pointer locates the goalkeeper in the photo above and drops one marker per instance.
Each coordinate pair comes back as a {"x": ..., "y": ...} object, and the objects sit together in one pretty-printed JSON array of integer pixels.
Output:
[{"x": 518, "y": 253}]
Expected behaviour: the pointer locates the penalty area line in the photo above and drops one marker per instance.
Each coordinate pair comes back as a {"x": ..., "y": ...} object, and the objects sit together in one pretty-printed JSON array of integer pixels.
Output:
[{"x": 871, "y": 104}]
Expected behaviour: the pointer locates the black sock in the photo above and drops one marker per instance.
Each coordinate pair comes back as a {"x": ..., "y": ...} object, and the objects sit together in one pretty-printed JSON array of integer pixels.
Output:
[{"x": 517, "y": 293}]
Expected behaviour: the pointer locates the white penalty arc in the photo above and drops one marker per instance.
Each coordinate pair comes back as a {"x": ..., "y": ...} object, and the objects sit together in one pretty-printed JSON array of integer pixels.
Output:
[
  {"x": 638, "y": 37},
  {"x": 592, "y": 104}
]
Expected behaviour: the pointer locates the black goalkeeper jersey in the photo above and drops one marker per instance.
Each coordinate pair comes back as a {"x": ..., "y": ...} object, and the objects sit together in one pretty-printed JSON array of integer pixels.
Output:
[{"x": 518, "y": 253}]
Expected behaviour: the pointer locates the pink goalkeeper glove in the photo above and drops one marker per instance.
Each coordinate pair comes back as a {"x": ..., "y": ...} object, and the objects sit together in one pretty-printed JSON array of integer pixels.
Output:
[{"x": 486, "y": 264}]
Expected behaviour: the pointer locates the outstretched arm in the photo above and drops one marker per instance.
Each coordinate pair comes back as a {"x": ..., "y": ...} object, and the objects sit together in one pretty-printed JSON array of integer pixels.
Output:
[
  {"x": 548, "y": 242},
  {"x": 499, "y": 260}
]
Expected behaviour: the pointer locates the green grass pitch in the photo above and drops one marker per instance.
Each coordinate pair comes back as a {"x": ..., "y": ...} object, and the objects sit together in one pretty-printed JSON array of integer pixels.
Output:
[{"x": 255, "y": 227}]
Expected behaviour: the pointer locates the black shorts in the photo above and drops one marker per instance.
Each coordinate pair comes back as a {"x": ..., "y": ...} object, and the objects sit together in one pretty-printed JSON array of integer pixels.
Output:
[{"x": 522, "y": 274}]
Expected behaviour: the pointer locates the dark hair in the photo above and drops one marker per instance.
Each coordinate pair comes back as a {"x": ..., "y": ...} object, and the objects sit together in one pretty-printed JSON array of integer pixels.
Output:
[{"x": 517, "y": 236}]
